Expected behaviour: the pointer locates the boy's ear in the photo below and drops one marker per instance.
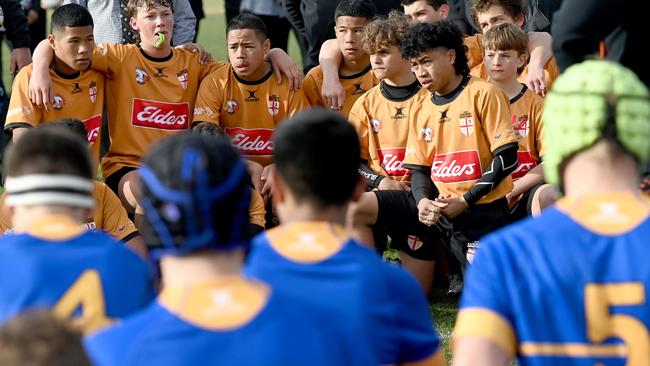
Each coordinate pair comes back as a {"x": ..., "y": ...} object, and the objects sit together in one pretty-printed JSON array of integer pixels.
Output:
[
  {"x": 452, "y": 56},
  {"x": 134, "y": 24},
  {"x": 444, "y": 11},
  {"x": 519, "y": 20},
  {"x": 266, "y": 45},
  {"x": 50, "y": 39}
]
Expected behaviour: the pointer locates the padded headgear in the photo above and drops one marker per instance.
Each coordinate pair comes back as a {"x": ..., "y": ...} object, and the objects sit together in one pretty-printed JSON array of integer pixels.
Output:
[
  {"x": 195, "y": 195},
  {"x": 590, "y": 101}
]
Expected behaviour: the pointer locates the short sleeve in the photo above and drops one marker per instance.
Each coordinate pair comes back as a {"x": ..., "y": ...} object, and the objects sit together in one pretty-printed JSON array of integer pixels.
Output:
[
  {"x": 115, "y": 220},
  {"x": 496, "y": 118},
  {"x": 358, "y": 117},
  {"x": 311, "y": 88},
  {"x": 208, "y": 100},
  {"x": 21, "y": 112}
]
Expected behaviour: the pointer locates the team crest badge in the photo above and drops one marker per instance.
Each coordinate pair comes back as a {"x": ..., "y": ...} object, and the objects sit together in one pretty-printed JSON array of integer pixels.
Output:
[
  {"x": 232, "y": 106},
  {"x": 141, "y": 76},
  {"x": 274, "y": 105},
  {"x": 58, "y": 102},
  {"x": 426, "y": 134},
  {"x": 92, "y": 91},
  {"x": 183, "y": 78},
  {"x": 414, "y": 242},
  {"x": 76, "y": 89},
  {"x": 520, "y": 125},
  {"x": 375, "y": 124},
  {"x": 466, "y": 123}
]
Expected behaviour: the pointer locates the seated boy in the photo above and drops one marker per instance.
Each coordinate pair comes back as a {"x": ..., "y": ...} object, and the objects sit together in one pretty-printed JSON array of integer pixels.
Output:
[
  {"x": 382, "y": 118},
  {"x": 313, "y": 258},
  {"x": 78, "y": 91},
  {"x": 53, "y": 261},
  {"x": 505, "y": 57},
  {"x": 243, "y": 98},
  {"x": 208, "y": 313},
  {"x": 350, "y": 17}
]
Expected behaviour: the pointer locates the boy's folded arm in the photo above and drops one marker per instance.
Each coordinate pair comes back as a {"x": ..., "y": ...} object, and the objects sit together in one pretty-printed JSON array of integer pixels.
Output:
[{"x": 40, "y": 84}]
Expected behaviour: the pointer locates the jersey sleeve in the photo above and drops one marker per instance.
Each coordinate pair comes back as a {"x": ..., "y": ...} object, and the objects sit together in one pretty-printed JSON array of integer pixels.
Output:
[
  {"x": 211, "y": 67},
  {"x": 297, "y": 102},
  {"x": 485, "y": 306},
  {"x": 536, "y": 119},
  {"x": 107, "y": 57},
  {"x": 21, "y": 112},
  {"x": 359, "y": 119},
  {"x": 419, "y": 147},
  {"x": 116, "y": 221},
  {"x": 474, "y": 50},
  {"x": 257, "y": 212},
  {"x": 415, "y": 333},
  {"x": 209, "y": 100},
  {"x": 5, "y": 221},
  {"x": 495, "y": 117},
  {"x": 311, "y": 88}
]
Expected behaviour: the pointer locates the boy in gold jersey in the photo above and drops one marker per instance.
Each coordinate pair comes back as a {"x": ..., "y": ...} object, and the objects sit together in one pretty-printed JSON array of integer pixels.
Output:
[
  {"x": 152, "y": 89},
  {"x": 243, "y": 98},
  {"x": 350, "y": 18},
  {"x": 463, "y": 142},
  {"x": 490, "y": 13},
  {"x": 505, "y": 56},
  {"x": 382, "y": 118},
  {"x": 78, "y": 91}
]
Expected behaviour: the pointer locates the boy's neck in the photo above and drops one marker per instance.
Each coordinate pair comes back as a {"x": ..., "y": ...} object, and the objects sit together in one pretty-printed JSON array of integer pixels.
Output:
[
  {"x": 62, "y": 68},
  {"x": 307, "y": 212},
  {"x": 585, "y": 175},
  {"x": 352, "y": 67},
  {"x": 257, "y": 75},
  {"x": 512, "y": 87},
  {"x": 404, "y": 78},
  {"x": 452, "y": 84},
  {"x": 152, "y": 51},
  {"x": 202, "y": 266},
  {"x": 24, "y": 217}
]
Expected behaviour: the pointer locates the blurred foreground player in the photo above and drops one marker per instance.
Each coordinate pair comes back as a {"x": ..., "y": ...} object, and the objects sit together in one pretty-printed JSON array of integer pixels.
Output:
[
  {"x": 51, "y": 261},
  {"x": 380, "y": 311},
  {"x": 571, "y": 287},
  {"x": 196, "y": 197}
]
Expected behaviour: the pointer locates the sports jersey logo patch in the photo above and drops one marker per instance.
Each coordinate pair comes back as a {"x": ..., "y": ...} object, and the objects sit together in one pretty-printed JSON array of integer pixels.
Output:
[
  {"x": 273, "y": 105},
  {"x": 521, "y": 125},
  {"x": 399, "y": 113},
  {"x": 183, "y": 78},
  {"x": 253, "y": 141},
  {"x": 58, "y": 103},
  {"x": 375, "y": 124},
  {"x": 141, "y": 76},
  {"x": 456, "y": 167},
  {"x": 427, "y": 134},
  {"x": 90, "y": 225},
  {"x": 92, "y": 91},
  {"x": 251, "y": 96},
  {"x": 414, "y": 242},
  {"x": 160, "y": 72},
  {"x": 26, "y": 110},
  {"x": 525, "y": 163},
  {"x": 443, "y": 116},
  {"x": 161, "y": 116},
  {"x": 76, "y": 89},
  {"x": 232, "y": 106},
  {"x": 358, "y": 89},
  {"x": 392, "y": 160},
  {"x": 93, "y": 126},
  {"x": 466, "y": 123}
]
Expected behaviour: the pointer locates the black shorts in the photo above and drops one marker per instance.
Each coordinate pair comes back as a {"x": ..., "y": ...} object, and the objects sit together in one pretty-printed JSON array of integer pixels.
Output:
[
  {"x": 398, "y": 214},
  {"x": 524, "y": 207},
  {"x": 472, "y": 225},
  {"x": 113, "y": 180}
]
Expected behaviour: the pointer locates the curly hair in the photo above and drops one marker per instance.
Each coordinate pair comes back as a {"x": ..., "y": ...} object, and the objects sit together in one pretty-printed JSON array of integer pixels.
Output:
[
  {"x": 425, "y": 37},
  {"x": 385, "y": 32}
]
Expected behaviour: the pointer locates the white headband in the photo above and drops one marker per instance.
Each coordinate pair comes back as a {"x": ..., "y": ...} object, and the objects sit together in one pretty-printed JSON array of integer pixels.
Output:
[{"x": 49, "y": 189}]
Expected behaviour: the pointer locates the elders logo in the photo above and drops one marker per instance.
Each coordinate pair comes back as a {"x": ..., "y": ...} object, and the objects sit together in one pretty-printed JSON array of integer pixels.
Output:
[
  {"x": 93, "y": 126},
  {"x": 525, "y": 163},
  {"x": 161, "y": 116},
  {"x": 392, "y": 160},
  {"x": 255, "y": 142},
  {"x": 456, "y": 167}
]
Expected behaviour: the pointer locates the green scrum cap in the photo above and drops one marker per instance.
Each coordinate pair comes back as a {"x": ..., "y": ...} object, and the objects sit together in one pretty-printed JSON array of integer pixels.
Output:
[{"x": 593, "y": 100}]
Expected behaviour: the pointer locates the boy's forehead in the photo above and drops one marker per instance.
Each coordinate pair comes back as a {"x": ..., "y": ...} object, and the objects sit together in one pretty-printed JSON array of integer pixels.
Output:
[
  {"x": 86, "y": 30},
  {"x": 493, "y": 12},
  {"x": 235, "y": 35},
  {"x": 348, "y": 21}
]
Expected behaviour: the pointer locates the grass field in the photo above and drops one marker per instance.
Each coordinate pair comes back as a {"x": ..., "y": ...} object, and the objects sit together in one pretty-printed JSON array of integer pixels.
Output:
[{"x": 212, "y": 36}]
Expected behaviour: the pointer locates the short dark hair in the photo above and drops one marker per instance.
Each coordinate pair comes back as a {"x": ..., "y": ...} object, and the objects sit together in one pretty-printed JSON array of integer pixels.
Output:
[
  {"x": 73, "y": 124},
  {"x": 133, "y": 6},
  {"x": 70, "y": 15},
  {"x": 207, "y": 175},
  {"x": 317, "y": 153},
  {"x": 247, "y": 20},
  {"x": 207, "y": 128},
  {"x": 39, "y": 339},
  {"x": 49, "y": 150},
  {"x": 356, "y": 8},
  {"x": 435, "y": 4},
  {"x": 422, "y": 38}
]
